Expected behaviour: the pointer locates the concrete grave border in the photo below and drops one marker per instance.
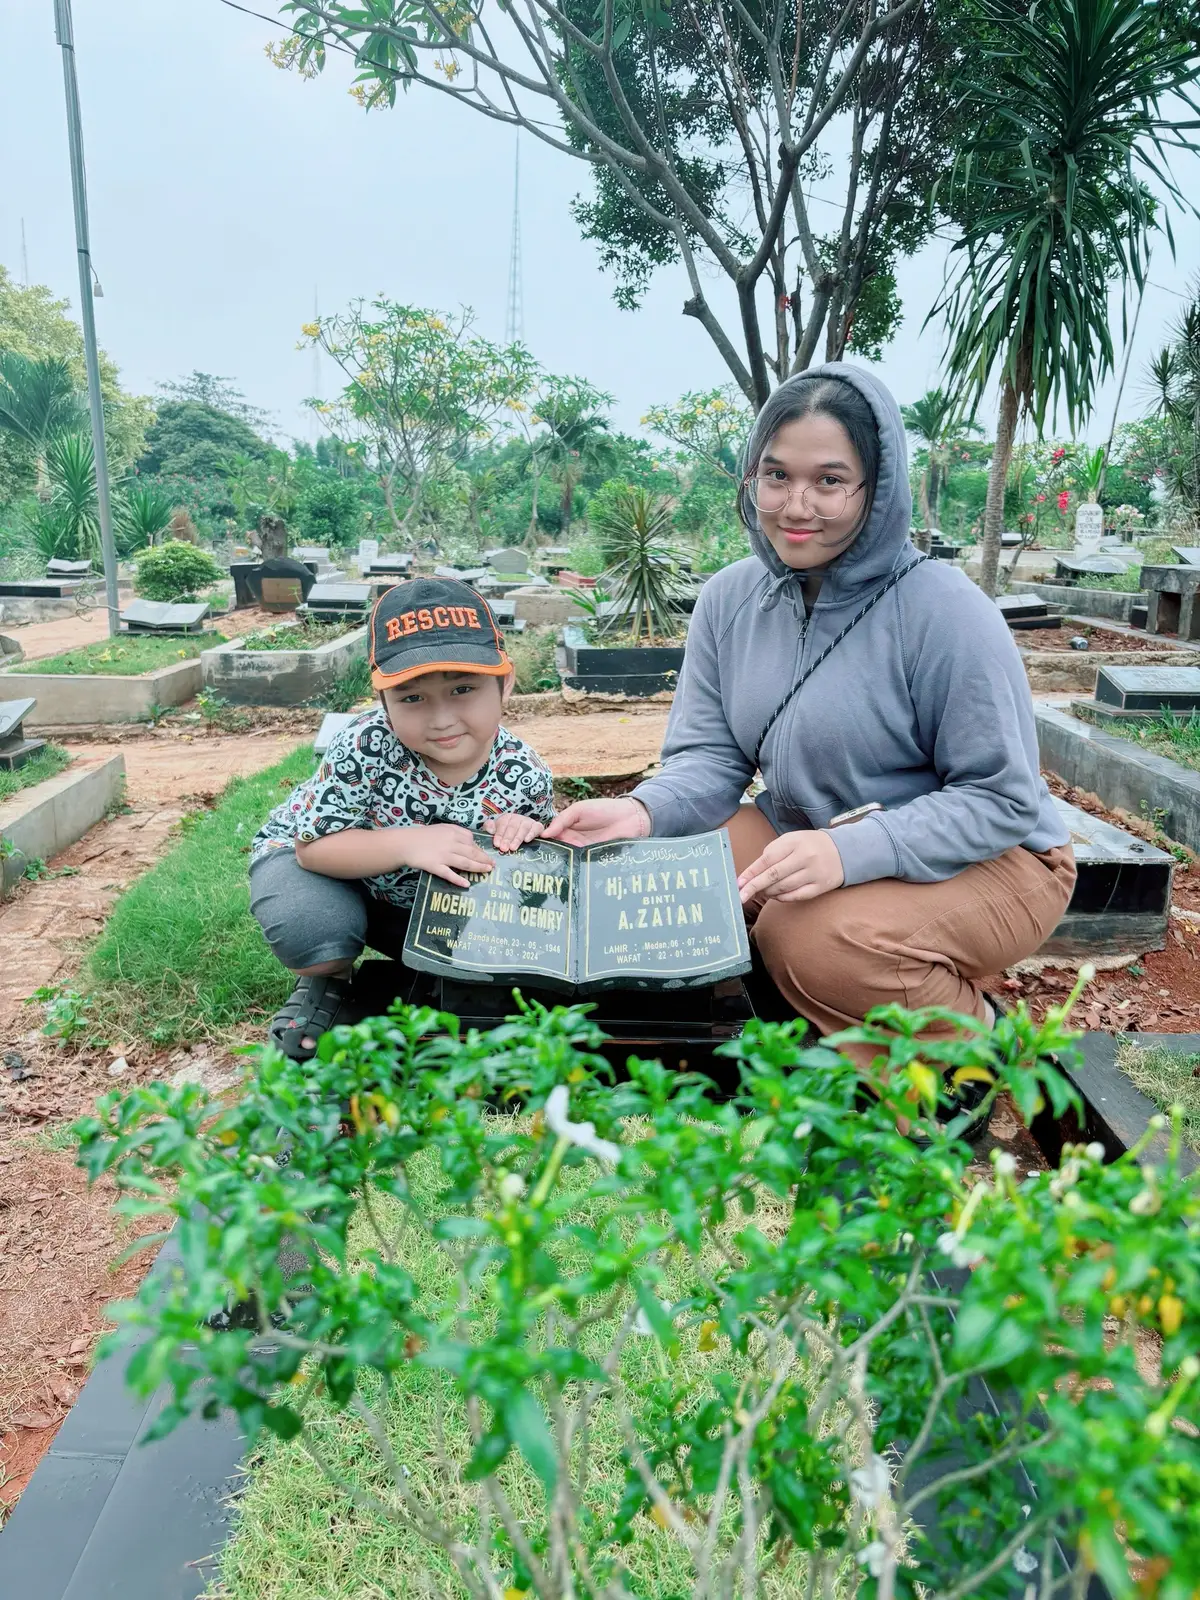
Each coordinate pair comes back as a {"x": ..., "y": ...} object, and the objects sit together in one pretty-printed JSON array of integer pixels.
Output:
[
  {"x": 69, "y": 699},
  {"x": 1066, "y": 670},
  {"x": 1120, "y": 772},
  {"x": 280, "y": 677},
  {"x": 1111, "y": 605},
  {"x": 47, "y": 818}
]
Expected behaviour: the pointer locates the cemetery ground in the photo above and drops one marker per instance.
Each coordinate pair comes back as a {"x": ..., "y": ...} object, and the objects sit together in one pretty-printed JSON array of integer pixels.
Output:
[{"x": 142, "y": 990}]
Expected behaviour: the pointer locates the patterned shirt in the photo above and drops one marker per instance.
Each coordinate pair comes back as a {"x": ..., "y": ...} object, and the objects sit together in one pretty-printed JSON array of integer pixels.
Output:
[{"x": 368, "y": 779}]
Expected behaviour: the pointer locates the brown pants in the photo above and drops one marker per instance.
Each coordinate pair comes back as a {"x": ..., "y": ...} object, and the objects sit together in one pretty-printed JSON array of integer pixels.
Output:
[{"x": 914, "y": 944}]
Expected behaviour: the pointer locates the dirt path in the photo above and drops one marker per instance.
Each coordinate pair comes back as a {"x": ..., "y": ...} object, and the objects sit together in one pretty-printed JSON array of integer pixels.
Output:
[
  {"x": 42, "y": 639},
  {"x": 595, "y": 744}
]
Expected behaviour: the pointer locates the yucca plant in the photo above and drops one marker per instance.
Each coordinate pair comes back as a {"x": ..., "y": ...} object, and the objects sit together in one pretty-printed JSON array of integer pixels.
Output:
[
  {"x": 66, "y": 523},
  {"x": 1175, "y": 375},
  {"x": 143, "y": 514},
  {"x": 634, "y": 528},
  {"x": 38, "y": 399},
  {"x": 1073, "y": 98}
]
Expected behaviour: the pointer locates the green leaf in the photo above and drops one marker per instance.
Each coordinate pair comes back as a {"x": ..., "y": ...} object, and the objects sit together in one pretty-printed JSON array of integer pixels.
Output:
[
  {"x": 527, "y": 1427},
  {"x": 663, "y": 1327},
  {"x": 282, "y": 1421}
]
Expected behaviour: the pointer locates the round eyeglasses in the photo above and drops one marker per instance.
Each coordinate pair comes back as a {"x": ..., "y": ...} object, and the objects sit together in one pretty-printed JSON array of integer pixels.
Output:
[{"x": 825, "y": 502}]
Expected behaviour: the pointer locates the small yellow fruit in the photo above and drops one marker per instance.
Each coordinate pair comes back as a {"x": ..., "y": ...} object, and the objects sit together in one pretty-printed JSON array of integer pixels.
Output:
[
  {"x": 708, "y": 1336},
  {"x": 1170, "y": 1313},
  {"x": 1145, "y": 1305}
]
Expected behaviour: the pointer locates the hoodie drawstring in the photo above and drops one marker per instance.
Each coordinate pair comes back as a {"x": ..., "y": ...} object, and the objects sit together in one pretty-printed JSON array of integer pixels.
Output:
[{"x": 789, "y": 584}]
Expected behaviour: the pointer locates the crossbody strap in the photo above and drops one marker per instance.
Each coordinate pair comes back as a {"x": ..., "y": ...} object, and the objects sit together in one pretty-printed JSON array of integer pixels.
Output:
[{"x": 829, "y": 649}]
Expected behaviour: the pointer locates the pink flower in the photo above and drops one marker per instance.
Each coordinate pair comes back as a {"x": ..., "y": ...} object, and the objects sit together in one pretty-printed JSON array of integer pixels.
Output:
[
  {"x": 1039, "y": 498},
  {"x": 1063, "y": 499}
]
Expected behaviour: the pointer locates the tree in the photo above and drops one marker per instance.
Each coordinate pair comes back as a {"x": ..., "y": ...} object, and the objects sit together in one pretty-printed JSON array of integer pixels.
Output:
[
  {"x": 328, "y": 509},
  {"x": 1175, "y": 375},
  {"x": 33, "y": 324},
  {"x": 421, "y": 389},
  {"x": 193, "y": 440},
  {"x": 1052, "y": 206},
  {"x": 703, "y": 127},
  {"x": 67, "y": 523},
  {"x": 218, "y": 394},
  {"x": 934, "y": 420},
  {"x": 712, "y": 427},
  {"x": 37, "y": 400},
  {"x": 575, "y": 440}
]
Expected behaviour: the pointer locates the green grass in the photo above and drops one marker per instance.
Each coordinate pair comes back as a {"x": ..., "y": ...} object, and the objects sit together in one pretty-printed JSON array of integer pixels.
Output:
[
  {"x": 48, "y": 763},
  {"x": 532, "y": 654},
  {"x": 1127, "y": 582},
  {"x": 125, "y": 657},
  {"x": 349, "y": 691},
  {"x": 1177, "y": 738},
  {"x": 181, "y": 955},
  {"x": 299, "y": 1535},
  {"x": 1170, "y": 1078},
  {"x": 303, "y": 636}
]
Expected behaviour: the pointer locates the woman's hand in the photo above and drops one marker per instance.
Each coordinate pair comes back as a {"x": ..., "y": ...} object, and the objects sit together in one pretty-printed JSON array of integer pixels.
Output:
[
  {"x": 594, "y": 821},
  {"x": 510, "y": 831},
  {"x": 796, "y": 866}
]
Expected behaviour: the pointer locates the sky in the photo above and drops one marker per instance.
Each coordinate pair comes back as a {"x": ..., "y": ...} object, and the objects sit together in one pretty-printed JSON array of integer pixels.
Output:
[{"x": 226, "y": 197}]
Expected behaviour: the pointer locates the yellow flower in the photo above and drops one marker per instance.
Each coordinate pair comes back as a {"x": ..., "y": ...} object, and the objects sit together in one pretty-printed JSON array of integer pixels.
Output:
[{"x": 310, "y": 330}]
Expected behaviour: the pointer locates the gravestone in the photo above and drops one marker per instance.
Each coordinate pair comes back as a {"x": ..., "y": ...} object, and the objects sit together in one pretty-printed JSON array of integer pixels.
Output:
[
  {"x": 1020, "y": 605},
  {"x": 1070, "y": 567},
  {"x": 393, "y": 564},
  {"x": 39, "y": 588},
  {"x": 157, "y": 616},
  {"x": 58, "y": 568},
  {"x": 1010, "y": 539},
  {"x": 1089, "y": 525},
  {"x": 510, "y": 559},
  {"x": 332, "y": 724},
  {"x": 283, "y": 583},
  {"x": 368, "y": 550},
  {"x": 1149, "y": 688},
  {"x": 944, "y": 552},
  {"x": 468, "y": 575},
  {"x": 1122, "y": 897},
  {"x": 1188, "y": 554},
  {"x": 247, "y": 583},
  {"x": 15, "y": 748},
  {"x": 337, "y": 600},
  {"x": 1171, "y": 600}
]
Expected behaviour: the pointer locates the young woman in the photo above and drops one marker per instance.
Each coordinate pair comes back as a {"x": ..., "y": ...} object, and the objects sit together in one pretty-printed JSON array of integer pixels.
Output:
[{"x": 922, "y": 712}]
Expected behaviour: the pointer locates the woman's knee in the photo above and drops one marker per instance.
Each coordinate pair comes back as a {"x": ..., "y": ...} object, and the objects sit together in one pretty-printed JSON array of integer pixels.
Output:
[
  {"x": 749, "y": 835},
  {"x": 814, "y": 949}
]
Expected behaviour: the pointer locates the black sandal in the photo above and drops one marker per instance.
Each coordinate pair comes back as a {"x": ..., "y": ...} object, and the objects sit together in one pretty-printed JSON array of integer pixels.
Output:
[{"x": 315, "y": 1006}]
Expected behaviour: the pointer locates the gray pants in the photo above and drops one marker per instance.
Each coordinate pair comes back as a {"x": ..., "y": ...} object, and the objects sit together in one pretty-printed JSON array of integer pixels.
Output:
[{"x": 309, "y": 919}]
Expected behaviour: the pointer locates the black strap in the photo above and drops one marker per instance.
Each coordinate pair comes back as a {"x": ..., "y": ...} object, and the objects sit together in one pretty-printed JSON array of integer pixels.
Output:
[{"x": 828, "y": 650}]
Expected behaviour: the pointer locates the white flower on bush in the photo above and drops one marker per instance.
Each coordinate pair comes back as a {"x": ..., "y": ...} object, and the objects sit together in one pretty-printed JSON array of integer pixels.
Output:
[
  {"x": 581, "y": 1134},
  {"x": 873, "y": 1558},
  {"x": 511, "y": 1187},
  {"x": 872, "y": 1483},
  {"x": 960, "y": 1254},
  {"x": 641, "y": 1323},
  {"x": 1025, "y": 1562}
]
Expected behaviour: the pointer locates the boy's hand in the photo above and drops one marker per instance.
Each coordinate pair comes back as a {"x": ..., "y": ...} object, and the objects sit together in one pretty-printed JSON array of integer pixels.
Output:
[
  {"x": 510, "y": 831},
  {"x": 445, "y": 850}
]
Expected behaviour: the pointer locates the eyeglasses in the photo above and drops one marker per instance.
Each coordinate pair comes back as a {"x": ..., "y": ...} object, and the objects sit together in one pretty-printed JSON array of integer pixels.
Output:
[{"x": 825, "y": 502}]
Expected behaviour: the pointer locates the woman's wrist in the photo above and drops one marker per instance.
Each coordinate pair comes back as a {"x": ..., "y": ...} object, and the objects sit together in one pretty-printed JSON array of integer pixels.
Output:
[{"x": 645, "y": 822}]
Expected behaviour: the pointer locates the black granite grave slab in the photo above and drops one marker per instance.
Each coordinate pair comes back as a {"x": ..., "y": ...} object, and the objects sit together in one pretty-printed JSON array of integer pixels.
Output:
[
  {"x": 388, "y": 565},
  {"x": 1020, "y": 605},
  {"x": 1116, "y": 1112},
  {"x": 470, "y": 575},
  {"x": 1122, "y": 896},
  {"x": 339, "y": 599},
  {"x": 1069, "y": 568},
  {"x": 107, "y": 1516},
  {"x": 1188, "y": 554},
  {"x": 158, "y": 616},
  {"x": 39, "y": 588},
  {"x": 1149, "y": 688},
  {"x": 15, "y": 748}
]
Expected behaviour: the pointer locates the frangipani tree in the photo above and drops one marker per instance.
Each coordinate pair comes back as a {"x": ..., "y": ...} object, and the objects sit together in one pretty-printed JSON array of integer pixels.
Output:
[
  {"x": 421, "y": 389},
  {"x": 1078, "y": 101},
  {"x": 1175, "y": 374}
]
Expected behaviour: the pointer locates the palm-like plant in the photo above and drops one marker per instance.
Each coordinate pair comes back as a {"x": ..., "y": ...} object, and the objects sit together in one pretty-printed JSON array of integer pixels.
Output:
[
  {"x": 143, "y": 514},
  {"x": 931, "y": 419},
  {"x": 1175, "y": 375},
  {"x": 634, "y": 528},
  {"x": 1052, "y": 207},
  {"x": 71, "y": 469},
  {"x": 38, "y": 399}
]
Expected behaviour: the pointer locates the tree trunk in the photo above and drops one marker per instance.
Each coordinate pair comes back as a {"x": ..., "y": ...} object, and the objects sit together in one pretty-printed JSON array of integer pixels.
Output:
[
  {"x": 568, "y": 500},
  {"x": 923, "y": 498},
  {"x": 414, "y": 505},
  {"x": 533, "y": 513},
  {"x": 935, "y": 491},
  {"x": 993, "y": 515},
  {"x": 272, "y": 536}
]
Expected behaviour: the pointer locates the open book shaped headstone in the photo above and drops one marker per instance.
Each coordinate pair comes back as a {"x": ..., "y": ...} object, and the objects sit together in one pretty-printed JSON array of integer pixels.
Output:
[
  {"x": 57, "y": 568},
  {"x": 1101, "y": 566},
  {"x": 388, "y": 565},
  {"x": 339, "y": 599},
  {"x": 1010, "y": 539},
  {"x": 1016, "y": 606},
  {"x": 1188, "y": 554},
  {"x": 1149, "y": 688},
  {"x": 15, "y": 748},
  {"x": 158, "y": 616},
  {"x": 471, "y": 575}
]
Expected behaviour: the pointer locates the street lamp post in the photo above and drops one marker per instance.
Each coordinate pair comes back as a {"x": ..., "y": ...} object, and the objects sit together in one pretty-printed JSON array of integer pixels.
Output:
[{"x": 65, "y": 35}]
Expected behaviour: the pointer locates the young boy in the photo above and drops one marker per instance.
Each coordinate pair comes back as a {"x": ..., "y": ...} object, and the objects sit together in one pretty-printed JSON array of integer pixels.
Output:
[{"x": 335, "y": 866}]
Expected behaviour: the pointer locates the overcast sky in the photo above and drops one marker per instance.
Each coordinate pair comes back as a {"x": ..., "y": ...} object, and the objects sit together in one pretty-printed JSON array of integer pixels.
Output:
[{"x": 224, "y": 193}]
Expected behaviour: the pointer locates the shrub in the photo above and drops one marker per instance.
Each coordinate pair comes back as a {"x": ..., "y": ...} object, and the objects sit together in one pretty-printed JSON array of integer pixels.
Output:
[
  {"x": 639, "y": 1304},
  {"x": 532, "y": 654},
  {"x": 328, "y": 511},
  {"x": 175, "y": 570}
]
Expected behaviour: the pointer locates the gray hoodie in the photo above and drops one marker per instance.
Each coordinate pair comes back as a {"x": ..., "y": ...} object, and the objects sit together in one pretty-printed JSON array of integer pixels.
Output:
[{"x": 924, "y": 706}]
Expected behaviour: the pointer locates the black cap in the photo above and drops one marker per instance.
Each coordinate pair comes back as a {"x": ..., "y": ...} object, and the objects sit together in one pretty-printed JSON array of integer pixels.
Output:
[{"x": 433, "y": 625}]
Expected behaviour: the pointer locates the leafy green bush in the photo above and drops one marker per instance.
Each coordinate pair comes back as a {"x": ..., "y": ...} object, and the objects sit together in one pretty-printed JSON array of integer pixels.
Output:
[
  {"x": 329, "y": 511},
  {"x": 532, "y": 654},
  {"x": 175, "y": 570},
  {"x": 640, "y": 1304}
]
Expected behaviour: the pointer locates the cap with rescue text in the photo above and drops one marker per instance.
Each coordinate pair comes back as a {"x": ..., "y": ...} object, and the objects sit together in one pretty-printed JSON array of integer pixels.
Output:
[{"x": 433, "y": 625}]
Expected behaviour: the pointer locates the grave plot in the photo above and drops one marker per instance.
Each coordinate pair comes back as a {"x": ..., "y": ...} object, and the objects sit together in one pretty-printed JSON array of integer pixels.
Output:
[
  {"x": 40, "y": 599},
  {"x": 122, "y": 679},
  {"x": 1070, "y": 657},
  {"x": 1108, "y": 605},
  {"x": 338, "y": 601},
  {"x": 159, "y": 618},
  {"x": 1024, "y": 613},
  {"x": 1171, "y": 600},
  {"x": 292, "y": 665}
]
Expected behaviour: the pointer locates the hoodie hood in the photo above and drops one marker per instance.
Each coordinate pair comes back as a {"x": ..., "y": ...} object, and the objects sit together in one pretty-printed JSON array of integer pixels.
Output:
[{"x": 874, "y": 554}]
